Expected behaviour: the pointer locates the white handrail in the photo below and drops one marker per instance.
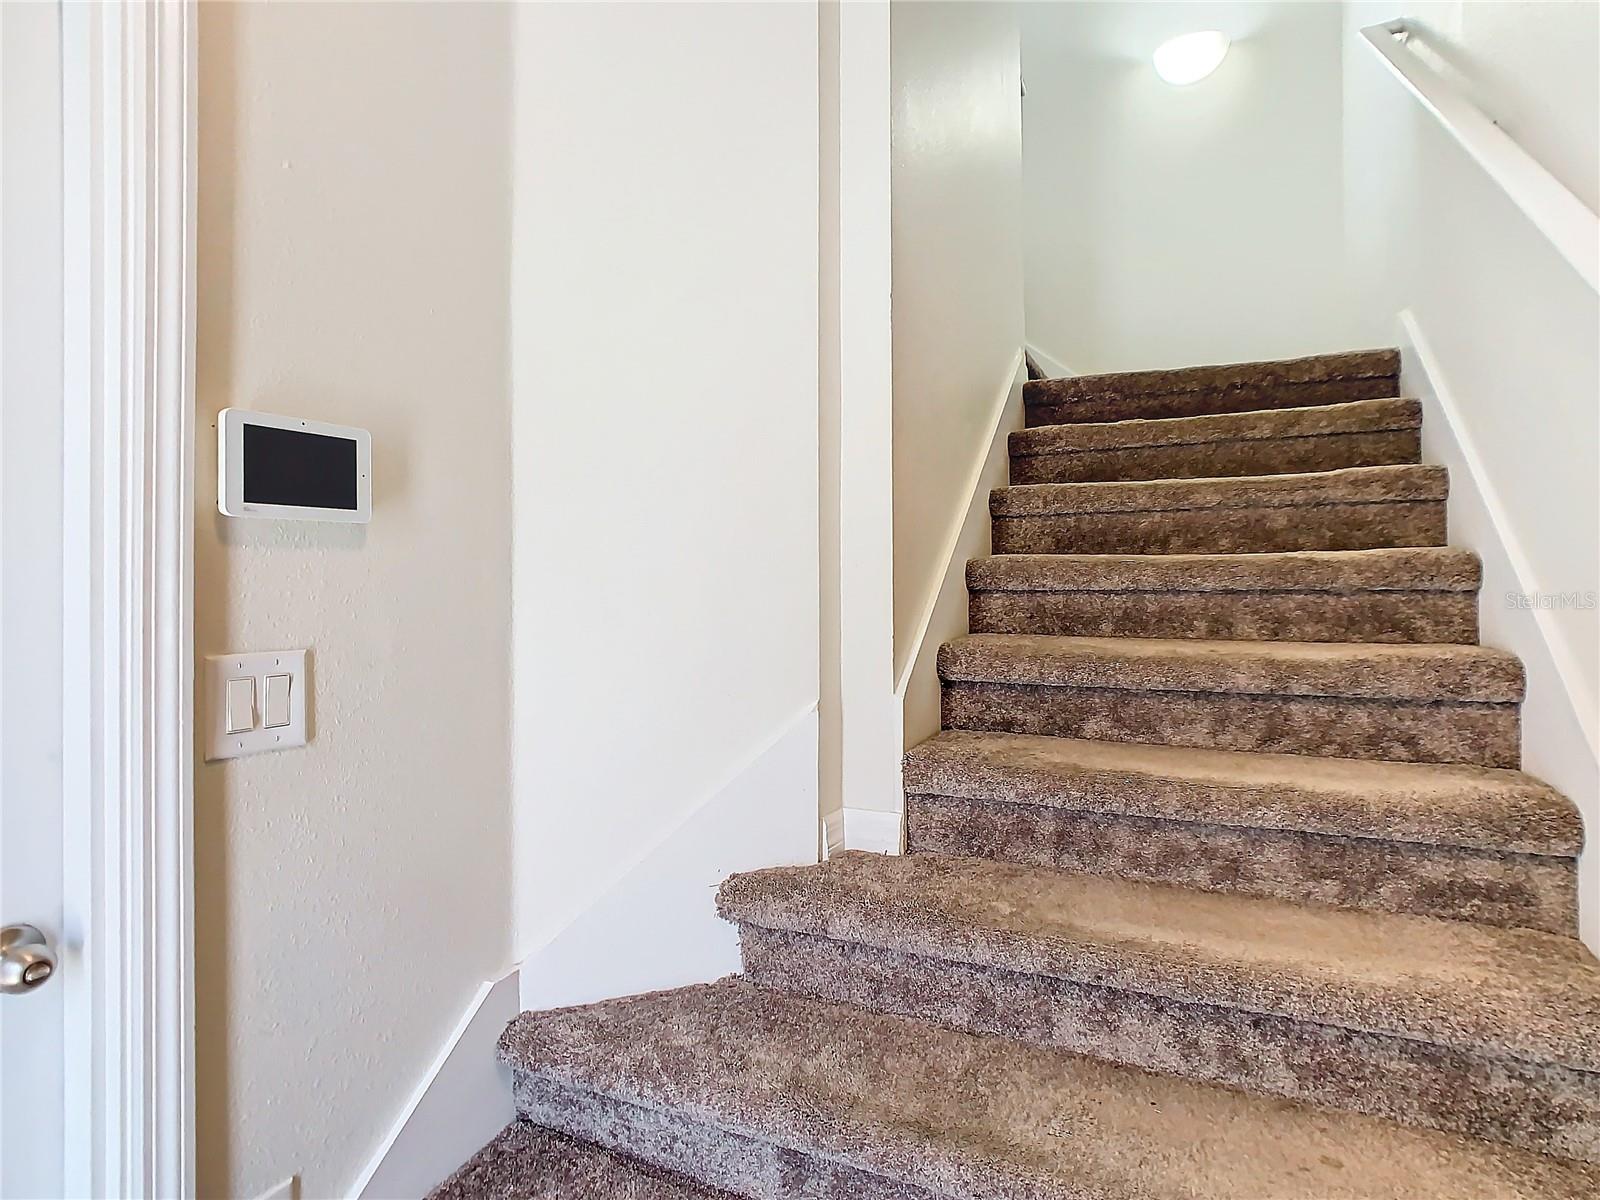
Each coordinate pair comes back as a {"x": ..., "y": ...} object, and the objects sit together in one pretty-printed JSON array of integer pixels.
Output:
[{"x": 1564, "y": 219}]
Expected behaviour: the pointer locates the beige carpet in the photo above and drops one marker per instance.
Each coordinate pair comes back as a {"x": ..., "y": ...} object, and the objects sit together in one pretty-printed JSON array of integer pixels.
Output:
[{"x": 1222, "y": 881}]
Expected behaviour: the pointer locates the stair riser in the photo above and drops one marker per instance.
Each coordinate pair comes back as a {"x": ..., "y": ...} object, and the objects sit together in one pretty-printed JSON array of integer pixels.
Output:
[
  {"x": 1261, "y": 456},
  {"x": 1509, "y": 890},
  {"x": 1485, "y": 735},
  {"x": 1378, "y": 526},
  {"x": 1397, "y": 617},
  {"x": 1549, "y": 1110},
  {"x": 1111, "y": 406},
  {"x": 743, "y": 1165}
]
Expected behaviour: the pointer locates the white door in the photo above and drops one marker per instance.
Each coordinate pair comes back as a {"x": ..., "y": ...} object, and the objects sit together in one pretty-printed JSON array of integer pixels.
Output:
[{"x": 32, "y": 1007}]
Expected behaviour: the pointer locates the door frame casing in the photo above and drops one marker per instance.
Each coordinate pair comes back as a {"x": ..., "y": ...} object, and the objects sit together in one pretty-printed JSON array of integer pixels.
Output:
[{"x": 129, "y": 153}]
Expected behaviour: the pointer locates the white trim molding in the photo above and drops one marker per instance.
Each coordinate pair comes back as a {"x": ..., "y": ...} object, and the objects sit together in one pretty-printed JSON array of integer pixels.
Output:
[
  {"x": 128, "y": 102},
  {"x": 1053, "y": 367},
  {"x": 945, "y": 614},
  {"x": 654, "y": 923},
  {"x": 1558, "y": 712},
  {"x": 284, "y": 1189},
  {"x": 462, "y": 1101},
  {"x": 832, "y": 833},
  {"x": 1472, "y": 479},
  {"x": 917, "y": 690},
  {"x": 879, "y": 832},
  {"x": 860, "y": 706},
  {"x": 1005, "y": 415}
]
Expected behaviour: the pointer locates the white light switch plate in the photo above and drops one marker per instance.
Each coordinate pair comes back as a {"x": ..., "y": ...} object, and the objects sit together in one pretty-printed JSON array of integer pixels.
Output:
[{"x": 260, "y": 737}]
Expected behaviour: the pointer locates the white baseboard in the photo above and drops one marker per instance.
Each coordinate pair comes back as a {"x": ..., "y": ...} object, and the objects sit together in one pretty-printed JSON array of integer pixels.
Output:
[
  {"x": 1052, "y": 366},
  {"x": 288, "y": 1189},
  {"x": 944, "y": 615},
  {"x": 463, "y": 1100},
  {"x": 833, "y": 833},
  {"x": 879, "y": 832},
  {"x": 1557, "y": 718},
  {"x": 1486, "y": 516},
  {"x": 657, "y": 926}
]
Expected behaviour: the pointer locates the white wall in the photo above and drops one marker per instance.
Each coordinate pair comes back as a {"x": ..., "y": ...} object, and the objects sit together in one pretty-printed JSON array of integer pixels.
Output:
[
  {"x": 665, "y": 447},
  {"x": 1175, "y": 225},
  {"x": 1510, "y": 330},
  {"x": 1531, "y": 64},
  {"x": 656, "y": 927},
  {"x": 353, "y": 895},
  {"x": 957, "y": 274}
]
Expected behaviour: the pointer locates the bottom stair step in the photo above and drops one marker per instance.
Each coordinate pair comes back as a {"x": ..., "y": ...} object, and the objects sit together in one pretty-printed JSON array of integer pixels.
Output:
[
  {"x": 527, "y": 1162},
  {"x": 1491, "y": 1033},
  {"x": 770, "y": 1095}
]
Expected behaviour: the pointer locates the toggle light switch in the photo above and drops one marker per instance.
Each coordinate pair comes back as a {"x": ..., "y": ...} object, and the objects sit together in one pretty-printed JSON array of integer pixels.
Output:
[
  {"x": 277, "y": 701},
  {"x": 241, "y": 702},
  {"x": 254, "y": 702}
]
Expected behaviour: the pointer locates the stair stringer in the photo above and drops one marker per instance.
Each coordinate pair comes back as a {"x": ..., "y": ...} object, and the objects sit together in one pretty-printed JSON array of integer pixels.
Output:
[
  {"x": 1557, "y": 741},
  {"x": 944, "y": 613},
  {"x": 655, "y": 926},
  {"x": 461, "y": 1102}
]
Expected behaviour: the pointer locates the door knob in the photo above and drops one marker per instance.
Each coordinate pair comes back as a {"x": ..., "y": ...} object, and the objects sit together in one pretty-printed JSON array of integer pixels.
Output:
[{"x": 25, "y": 959}]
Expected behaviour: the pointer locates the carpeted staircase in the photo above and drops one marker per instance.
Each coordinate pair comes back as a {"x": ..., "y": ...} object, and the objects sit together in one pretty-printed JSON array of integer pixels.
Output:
[{"x": 1221, "y": 881}]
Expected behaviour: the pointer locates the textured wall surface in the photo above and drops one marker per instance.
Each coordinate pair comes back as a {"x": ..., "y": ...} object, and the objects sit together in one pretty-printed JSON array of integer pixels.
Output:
[{"x": 351, "y": 896}]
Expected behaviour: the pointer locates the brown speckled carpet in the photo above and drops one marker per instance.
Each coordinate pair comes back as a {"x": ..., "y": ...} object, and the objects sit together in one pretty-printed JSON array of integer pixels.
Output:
[
  {"x": 528, "y": 1162},
  {"x": 1221, "y": 883}
]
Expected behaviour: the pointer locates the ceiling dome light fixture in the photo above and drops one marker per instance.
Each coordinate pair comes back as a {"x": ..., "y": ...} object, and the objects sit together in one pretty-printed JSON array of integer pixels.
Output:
[{"x": 1190, "y": 57}]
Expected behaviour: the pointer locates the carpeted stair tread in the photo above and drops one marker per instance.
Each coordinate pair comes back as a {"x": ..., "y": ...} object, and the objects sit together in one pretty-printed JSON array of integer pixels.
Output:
[
  {"x": 1314, "y": 368},
  {"x": 526, "y": 1162},
  {"x": 1453, "y": 673},
  {"x": 1421, "y": 594},
  {"x": 981, "y": 1118},
  {"x": 1427, "y": 803},
  {"x": 1513, "y": 994},
  {"x": 1269, "y": 441},
  {"x": 1352, "y": 485},
  {"x": 1230, "y": 387},
  {"x": 1418, "y": 569},
  {"x": 1219, "y": 883},
  {"x": 1356, "y": 416}
]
